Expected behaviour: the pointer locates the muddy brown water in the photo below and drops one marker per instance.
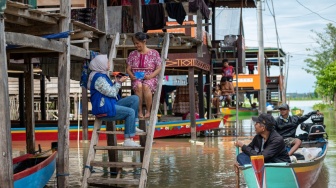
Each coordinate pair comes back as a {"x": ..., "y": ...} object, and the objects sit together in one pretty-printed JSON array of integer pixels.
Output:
[{"x": 177, "y": 163}]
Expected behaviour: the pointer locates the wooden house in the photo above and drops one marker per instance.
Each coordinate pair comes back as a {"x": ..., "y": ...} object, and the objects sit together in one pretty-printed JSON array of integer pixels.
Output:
[{"x": 27, "y": 31}]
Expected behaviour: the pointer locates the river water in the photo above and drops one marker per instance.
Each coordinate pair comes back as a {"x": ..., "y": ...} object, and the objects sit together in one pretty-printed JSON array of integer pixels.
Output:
[{"x": 175, "y": 162}]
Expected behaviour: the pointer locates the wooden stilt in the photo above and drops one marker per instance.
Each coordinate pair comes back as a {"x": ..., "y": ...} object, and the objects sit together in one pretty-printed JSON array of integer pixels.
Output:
[{"x": 62, "y": 169}]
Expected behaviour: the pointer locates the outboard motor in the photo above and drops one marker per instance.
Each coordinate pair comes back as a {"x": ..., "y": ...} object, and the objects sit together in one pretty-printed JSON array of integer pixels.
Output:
[{"x": 316, "y": 129}]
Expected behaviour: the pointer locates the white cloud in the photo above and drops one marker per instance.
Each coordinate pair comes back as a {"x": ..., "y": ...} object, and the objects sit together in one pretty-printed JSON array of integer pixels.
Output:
[{"x": 294, "y": 23}]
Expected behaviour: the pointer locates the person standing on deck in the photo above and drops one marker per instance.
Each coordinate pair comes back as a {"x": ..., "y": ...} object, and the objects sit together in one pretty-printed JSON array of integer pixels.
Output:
[
  {"x": 286, "y": 126},
  {"x": 267, "y": 142},
  {"x": 143, "y": 66},
  {"x": 227, "y": 71}
]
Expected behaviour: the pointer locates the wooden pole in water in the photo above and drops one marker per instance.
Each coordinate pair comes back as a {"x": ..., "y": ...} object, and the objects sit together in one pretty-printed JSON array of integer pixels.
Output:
[
  {"x": 62, "y": 172},
  {"x": 29, "y": 106},
  {"x": 6, "y": 164},
  {"x": 85, "y": 103},
  {"x": 192, "y": 106}
]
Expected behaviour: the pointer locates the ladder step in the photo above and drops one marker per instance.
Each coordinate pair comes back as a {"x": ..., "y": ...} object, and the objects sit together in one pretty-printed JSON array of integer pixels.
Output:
[
  {"x": 119, "y": 132},
  {"x": 112, "y": 181},
  {"x": 116, "y": 164},
  {"x": 118, "y": 148}
]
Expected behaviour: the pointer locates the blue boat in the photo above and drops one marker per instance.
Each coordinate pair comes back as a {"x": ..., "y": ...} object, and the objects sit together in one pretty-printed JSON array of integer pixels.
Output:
[{"x": 33, "y": 171}]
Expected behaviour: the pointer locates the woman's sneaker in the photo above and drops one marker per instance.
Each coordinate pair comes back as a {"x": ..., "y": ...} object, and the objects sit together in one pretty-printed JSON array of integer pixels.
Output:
[
  {"x": 130, "y": 143},
  {"x": 138, "y": 130}
]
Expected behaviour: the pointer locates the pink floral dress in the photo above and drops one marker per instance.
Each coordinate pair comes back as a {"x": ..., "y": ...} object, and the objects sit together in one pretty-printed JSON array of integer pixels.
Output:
[{"x": 146, "y": 63}]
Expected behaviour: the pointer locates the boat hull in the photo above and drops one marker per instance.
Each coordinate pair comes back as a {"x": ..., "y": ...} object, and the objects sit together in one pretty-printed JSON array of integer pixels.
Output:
[
  {"x": 241, "y": 111},
  {"x": 303, "y": 174},
  {"x": 36, "y": 176},
  {"x": 162, "y": 129}
]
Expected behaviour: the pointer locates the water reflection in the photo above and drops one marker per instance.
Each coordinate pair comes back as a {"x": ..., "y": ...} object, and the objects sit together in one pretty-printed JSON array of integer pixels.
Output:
[{"x": 178, "y": 163}]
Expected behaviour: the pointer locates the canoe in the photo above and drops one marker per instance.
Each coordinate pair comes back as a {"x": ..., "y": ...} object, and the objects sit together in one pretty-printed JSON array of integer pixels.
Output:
[
  {"x": 241, "y": 111},
  {"x": 33, "y": 171},
  {"x": 302, "y": 173},
  {"x": 297, "y": 111},
  {"x": 162, "y": 129}
]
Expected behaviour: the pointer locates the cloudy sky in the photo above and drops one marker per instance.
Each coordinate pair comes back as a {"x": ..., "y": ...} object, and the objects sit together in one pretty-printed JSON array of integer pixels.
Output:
[{"x": 294, "y": 23}]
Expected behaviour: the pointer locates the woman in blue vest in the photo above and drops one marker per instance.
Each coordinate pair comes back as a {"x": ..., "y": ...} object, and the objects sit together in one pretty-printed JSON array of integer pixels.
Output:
[{"x": 105, "y": 101}]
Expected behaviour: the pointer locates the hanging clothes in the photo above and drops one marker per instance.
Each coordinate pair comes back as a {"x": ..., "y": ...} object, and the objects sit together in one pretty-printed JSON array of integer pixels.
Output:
[
  {"x": 127, "y": 20},
  {"x": 176, "y": 11},
  {"x": 194, "y": 5},
  {"x": 153, "y": 17}
]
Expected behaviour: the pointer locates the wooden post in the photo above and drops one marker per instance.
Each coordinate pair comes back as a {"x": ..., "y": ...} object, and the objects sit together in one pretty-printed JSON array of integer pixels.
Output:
[
  {"x": 21, "y": 100},
  {"x": 191, "y": 83},
  {"x": 137, "y": 17},
  {"x": 199, "y": 33},
  {"x": 63, "y": 99},
  {"x": 112, "y": 141},
  {"x": 213, "y": 21},
  {"x": 142, "y": 126},
  {"x": 6, "y": 164},
  {"x": 75, "y": 106},
  {"x": 102, "y": 25},
  {"x": 200, "y": 88},
  {"x": 208, "y": 92},
  {"x": 43, "y": 106},
  {"x": 29, "y": 106},
  {"x": 85, "y": 111}
]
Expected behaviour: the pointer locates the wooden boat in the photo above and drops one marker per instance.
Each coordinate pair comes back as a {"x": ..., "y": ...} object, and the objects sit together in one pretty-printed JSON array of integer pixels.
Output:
[
  {"x": 297, "y": 111},
  {"x": 302, "y": 173},
  {"x": 33, "y": 171},
  {"x": 241, "y": 111},
  {"x": 163, "y": 129}
]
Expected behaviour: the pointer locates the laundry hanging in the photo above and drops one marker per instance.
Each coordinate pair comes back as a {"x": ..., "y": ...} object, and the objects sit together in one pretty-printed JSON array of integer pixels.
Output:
[
  {"x": 153, "y": 17},
  {"x": 176, "y": 11}
]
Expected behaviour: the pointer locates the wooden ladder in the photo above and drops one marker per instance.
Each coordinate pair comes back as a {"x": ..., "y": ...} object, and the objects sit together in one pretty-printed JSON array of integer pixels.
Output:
[{"x": 146, "y": 146}]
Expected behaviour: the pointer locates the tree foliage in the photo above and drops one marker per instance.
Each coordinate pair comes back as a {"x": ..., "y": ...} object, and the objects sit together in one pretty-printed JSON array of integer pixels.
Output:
[
  {"x": 326, "y": 81},
  {"x": 322, "y": 62},
  {"x": 325, "y": 53}
]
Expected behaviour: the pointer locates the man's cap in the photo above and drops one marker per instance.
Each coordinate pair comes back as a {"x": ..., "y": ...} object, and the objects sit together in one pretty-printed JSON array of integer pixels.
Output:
[
  {"x": 283, "y": 106},
  {"x": 266, "y": 119}
]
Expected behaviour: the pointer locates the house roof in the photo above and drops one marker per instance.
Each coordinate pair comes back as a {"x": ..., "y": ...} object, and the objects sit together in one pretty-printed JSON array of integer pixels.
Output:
[{"x": 269, "y": 52}]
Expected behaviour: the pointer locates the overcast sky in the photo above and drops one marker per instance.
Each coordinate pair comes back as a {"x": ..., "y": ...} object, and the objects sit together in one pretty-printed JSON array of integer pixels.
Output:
[{"x": 294, "y": 23}]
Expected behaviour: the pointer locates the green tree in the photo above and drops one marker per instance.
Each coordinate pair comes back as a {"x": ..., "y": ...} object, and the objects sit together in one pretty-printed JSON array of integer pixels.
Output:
[
  {"x": 326, "y": 82},
  {"x": 322, "y": 59},
  {"x": 325, "y": 53}
]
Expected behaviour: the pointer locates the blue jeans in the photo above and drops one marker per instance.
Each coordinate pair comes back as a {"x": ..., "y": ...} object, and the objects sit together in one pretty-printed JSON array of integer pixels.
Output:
[
  {"x": 243, "y": 159},
  {"x": 126, "y": 109}
]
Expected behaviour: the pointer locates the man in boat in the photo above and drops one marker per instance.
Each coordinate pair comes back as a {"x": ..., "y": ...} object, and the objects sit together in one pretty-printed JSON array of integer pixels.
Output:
[
  {"x": 286, "y": 126},
  {"x": 267, "y": 142}
]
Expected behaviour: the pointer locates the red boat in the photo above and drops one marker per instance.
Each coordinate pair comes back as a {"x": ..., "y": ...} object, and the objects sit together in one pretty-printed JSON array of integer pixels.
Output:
[{"x": 47, "y": 130}]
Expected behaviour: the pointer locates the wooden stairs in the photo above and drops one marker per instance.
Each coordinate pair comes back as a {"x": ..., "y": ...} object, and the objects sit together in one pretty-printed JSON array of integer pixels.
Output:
[{"x": 146, "y": 140}]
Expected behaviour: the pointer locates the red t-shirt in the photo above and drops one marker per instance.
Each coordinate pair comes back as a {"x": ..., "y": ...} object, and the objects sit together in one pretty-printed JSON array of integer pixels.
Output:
[
  {"x": 228, "y": 71},
  {"x": 250, "y": 66}
]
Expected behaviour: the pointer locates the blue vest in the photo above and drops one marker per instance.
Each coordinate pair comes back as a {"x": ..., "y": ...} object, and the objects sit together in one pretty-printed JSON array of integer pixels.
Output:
[{"x": 108, "y": 109}]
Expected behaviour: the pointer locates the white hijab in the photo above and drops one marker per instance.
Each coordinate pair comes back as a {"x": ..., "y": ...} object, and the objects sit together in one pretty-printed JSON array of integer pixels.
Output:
[{"x": 98, "y": 65}]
